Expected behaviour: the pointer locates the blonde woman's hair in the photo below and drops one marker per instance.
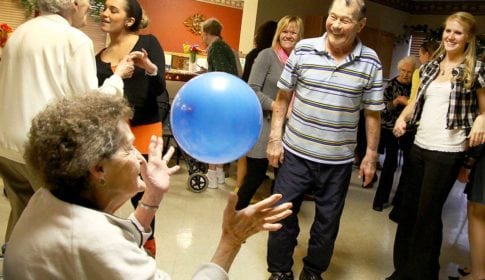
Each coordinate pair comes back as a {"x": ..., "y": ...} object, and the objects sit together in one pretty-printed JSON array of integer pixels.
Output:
[
  {"x": 469, "y": 23},
  {"x": 283, "y": 23}
]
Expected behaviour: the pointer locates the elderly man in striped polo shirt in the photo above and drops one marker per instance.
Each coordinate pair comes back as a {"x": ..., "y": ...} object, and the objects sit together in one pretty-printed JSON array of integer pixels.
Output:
[{"x": 332, "y": 77}]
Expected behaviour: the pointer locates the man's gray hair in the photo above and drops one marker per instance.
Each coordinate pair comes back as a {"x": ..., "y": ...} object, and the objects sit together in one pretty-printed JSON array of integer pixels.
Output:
[
  {"x": 54, "y": 6},
  {"x": 361, "y": 8}
]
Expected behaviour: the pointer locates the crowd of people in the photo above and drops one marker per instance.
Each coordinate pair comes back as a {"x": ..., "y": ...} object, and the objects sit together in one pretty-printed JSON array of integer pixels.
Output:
[{"x": 82, "y": 135}]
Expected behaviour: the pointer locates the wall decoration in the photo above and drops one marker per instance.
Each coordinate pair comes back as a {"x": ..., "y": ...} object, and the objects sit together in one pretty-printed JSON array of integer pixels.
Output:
[{"x": 193, "y": 23}]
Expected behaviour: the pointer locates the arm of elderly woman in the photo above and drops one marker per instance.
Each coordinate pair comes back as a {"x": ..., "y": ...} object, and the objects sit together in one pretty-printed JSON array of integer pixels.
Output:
[
  {"x": 156, "y": 175},
  {"x": 237, "y": 226},
  {"x": 401, "y": 122}
]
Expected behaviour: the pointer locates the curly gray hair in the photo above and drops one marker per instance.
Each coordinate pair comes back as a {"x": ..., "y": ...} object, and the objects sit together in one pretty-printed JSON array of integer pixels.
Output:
[{"x": 72, "y": 135}]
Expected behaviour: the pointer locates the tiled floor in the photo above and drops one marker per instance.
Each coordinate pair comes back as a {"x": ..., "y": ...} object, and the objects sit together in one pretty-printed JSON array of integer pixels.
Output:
[{"x": 188, "y": 227}]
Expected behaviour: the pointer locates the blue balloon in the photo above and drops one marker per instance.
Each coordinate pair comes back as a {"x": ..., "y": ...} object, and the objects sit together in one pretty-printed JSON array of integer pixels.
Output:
[{"x": 216, "y": 118}]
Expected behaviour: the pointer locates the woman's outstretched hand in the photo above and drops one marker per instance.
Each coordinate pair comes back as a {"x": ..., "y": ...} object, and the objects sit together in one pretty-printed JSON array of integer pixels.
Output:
[
  {"x": 237, "y": 226},
  {"x": 155, "y": 172}
]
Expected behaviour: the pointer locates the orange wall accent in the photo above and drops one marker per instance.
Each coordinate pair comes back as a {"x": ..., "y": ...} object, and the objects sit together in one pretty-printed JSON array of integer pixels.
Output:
[{"x": 167, "y": 22}]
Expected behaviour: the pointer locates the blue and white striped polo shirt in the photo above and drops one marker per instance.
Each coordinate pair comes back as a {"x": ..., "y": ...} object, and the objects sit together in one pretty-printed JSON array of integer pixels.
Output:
[{"x": 323, "y": 123}]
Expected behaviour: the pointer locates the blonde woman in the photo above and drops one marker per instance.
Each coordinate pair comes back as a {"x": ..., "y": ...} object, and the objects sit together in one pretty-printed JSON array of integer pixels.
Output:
[{"x": 451, "y": 91}]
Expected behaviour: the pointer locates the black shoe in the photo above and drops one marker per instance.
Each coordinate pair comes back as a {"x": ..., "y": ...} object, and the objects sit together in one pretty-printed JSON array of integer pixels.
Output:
[
  {"x": 307, "y": 275},
  {"x": 377, "y": 208},
  {"x": 281, "y": 276},
  {"x": 463, "y": 271},
  {"x": 394, "y": 276},
  {"x": 394, "y": 215}
]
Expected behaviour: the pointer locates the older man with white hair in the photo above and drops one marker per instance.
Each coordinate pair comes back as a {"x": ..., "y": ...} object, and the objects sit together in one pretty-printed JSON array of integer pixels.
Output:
[
  {"x": 46, "y": 57},
  {"x": 333, "y": 77}
]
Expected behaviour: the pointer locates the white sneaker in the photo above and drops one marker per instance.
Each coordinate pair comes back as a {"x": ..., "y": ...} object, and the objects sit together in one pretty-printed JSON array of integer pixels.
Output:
[
  {"x": 212, "y": 176},
  {"x": 221, "y": 177}
]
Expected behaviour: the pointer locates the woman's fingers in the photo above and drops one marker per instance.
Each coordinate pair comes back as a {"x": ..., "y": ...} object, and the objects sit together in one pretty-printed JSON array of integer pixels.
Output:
[
  {"x": 155, "y": 147},
  {"x": 168, "y": 155}
]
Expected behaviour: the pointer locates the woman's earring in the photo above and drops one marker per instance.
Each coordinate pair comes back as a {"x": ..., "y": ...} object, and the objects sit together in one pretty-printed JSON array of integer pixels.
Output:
[{"x": 102, "y": 182}]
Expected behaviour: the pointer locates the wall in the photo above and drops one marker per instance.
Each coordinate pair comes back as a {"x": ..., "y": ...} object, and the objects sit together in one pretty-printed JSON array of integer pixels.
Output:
[
  {"x": 260, "y": 11},
  {"x": 248, "y": 26},
  {"x": 385, "y": 18},
  {"x": 378, "y": 33},
  {"x": 167, "y": 22},
  {"x": 379, "y": 16},
  {"x": 434, "y": 21}
]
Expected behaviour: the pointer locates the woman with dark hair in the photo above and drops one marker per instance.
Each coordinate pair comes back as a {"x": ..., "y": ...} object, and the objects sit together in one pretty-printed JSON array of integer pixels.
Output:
[
  {"x": 450, "y": 106},
  {"x": 82, "y": 149},
  {"x": 262, "y": 40},
  {"x": 473, "y": 173},
  {"x": 263, "y": 79},
  {"x": 122, "y": 20}
]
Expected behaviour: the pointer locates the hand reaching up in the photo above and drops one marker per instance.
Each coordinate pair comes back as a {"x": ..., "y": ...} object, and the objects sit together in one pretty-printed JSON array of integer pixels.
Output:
[
  {"x": 237, "y": 226},
  {"x": 140, "y": 59},
  {"x": 125, "y": 68},
  {"x": 156, "y": 172}
]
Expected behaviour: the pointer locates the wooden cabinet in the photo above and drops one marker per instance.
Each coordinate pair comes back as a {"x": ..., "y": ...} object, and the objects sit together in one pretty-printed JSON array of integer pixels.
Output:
[
  {"x": 382, "y": 42},
  {"x": 314, "y": 26}
]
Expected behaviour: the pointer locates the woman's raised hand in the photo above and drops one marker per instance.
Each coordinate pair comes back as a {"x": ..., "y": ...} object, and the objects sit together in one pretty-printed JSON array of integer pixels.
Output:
[
  {"x": 156, "y": 172},
  {"x": 141, "y": 59}
]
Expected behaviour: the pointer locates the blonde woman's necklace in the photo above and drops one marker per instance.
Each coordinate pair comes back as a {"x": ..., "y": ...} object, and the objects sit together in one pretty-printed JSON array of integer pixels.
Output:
[{"x": 445, "y": 69}]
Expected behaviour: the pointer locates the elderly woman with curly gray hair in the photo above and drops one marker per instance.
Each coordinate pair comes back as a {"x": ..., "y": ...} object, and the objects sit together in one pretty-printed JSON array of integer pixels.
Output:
[{"x": 82, "y": 149}]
